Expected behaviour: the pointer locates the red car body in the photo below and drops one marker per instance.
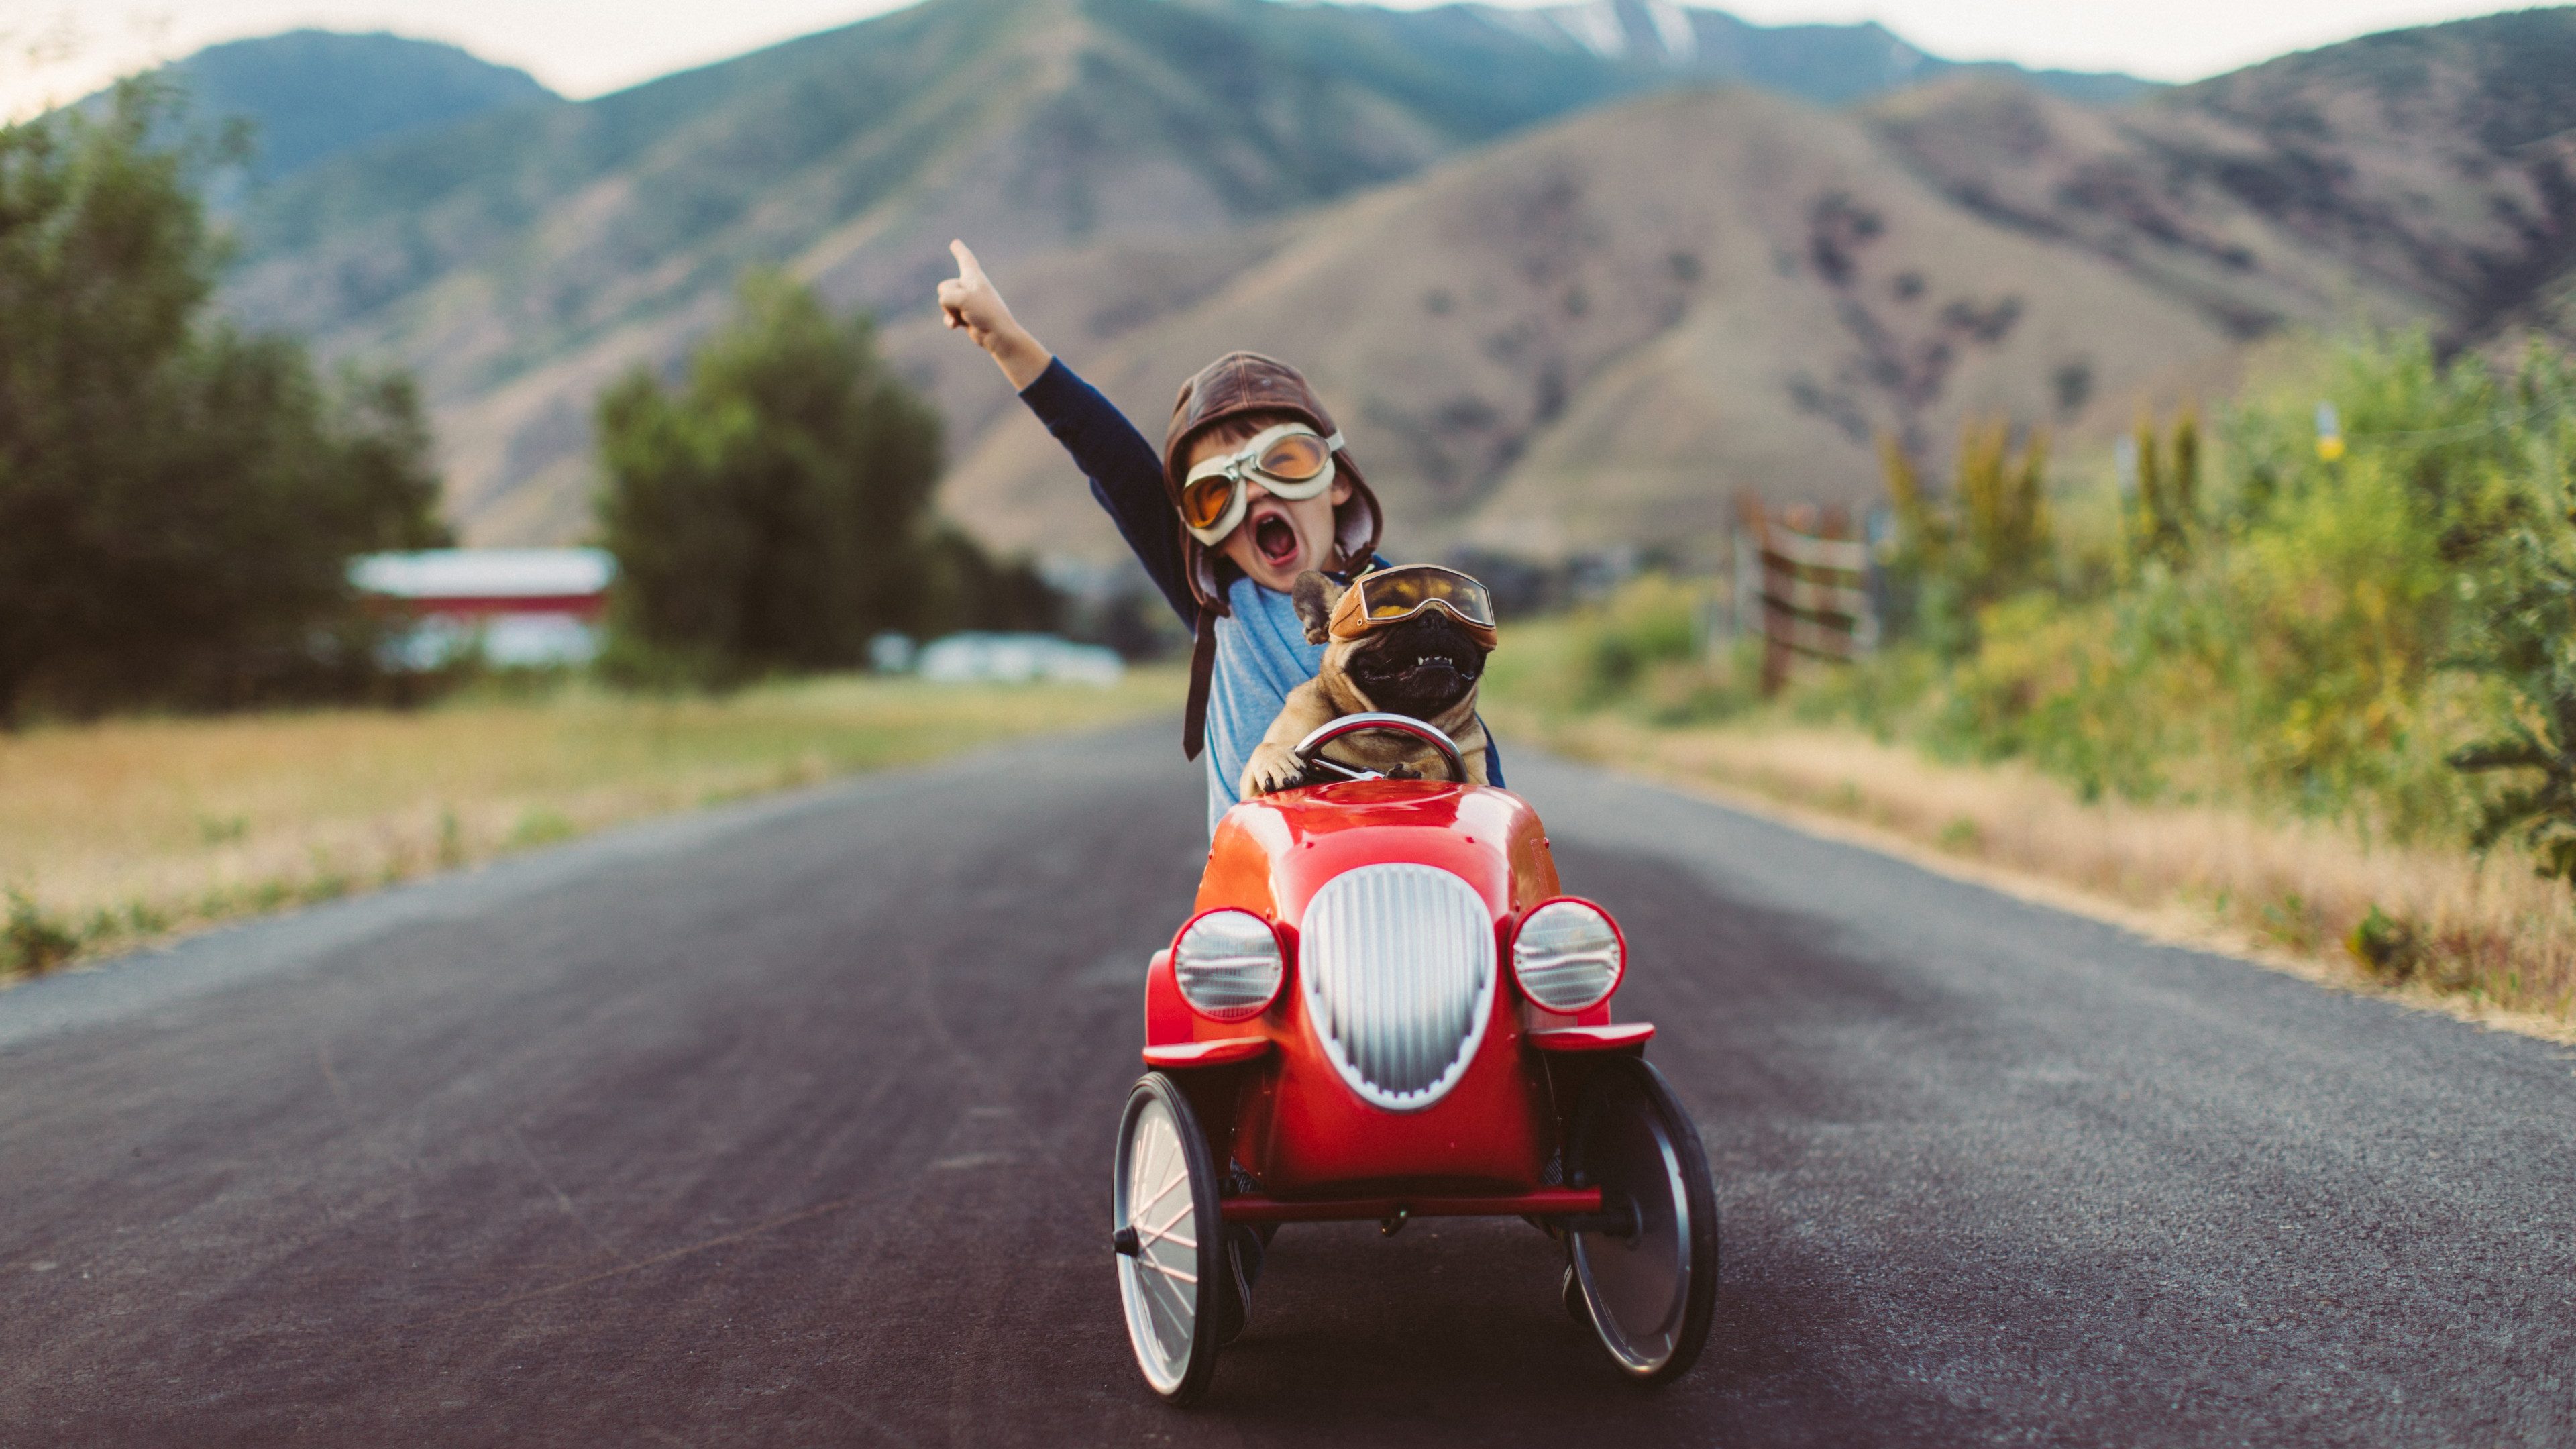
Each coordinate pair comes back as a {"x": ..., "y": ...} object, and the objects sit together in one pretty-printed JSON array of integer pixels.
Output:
[{"x": 1277, "y": 1107}]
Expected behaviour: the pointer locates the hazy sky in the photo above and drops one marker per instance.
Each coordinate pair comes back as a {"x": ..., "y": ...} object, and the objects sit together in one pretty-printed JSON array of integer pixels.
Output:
[{"x": 51, "y": 51}]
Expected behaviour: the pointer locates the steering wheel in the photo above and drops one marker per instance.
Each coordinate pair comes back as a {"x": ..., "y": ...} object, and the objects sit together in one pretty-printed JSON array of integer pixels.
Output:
[{"x": 1320, "y": 770}]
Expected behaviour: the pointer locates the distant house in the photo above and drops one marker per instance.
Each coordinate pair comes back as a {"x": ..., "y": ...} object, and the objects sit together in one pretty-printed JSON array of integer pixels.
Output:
[{"x": 516, "y": 607}]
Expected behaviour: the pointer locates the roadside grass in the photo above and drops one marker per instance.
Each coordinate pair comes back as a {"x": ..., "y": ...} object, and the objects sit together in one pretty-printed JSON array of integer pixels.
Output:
[
  {"x": 2433, "y": 923},
  {"x": 119, "y": 833}
]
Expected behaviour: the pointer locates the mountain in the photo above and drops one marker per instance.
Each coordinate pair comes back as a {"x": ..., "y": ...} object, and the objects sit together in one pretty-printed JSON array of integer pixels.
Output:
[
  {"x": 519, "y": 259},
  {"x": 1564, "y": 306},
  {"x": 1594, "y": 333},
  {"x": 1828, "y": 64},
  {"x": 1560, "y": 304},
  {"x": 2433, "y": 169},
  {"x": 314, "y": 94}
]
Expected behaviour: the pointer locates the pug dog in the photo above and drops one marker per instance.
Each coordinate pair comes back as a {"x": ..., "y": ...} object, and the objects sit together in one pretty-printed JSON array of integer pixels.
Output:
[{"x": 1425, "y": 666}]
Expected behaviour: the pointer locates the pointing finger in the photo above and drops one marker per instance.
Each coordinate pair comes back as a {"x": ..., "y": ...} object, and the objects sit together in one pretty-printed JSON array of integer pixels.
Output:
[{"x": 968, "y": 269}]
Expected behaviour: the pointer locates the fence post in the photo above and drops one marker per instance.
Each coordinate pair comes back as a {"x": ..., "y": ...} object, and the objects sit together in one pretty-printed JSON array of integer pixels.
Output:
[{"x": 1813, "y": 588}]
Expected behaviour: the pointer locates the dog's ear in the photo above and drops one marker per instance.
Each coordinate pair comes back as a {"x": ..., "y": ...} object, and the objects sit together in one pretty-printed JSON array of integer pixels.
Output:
[{"x": 1315, "y": 595}]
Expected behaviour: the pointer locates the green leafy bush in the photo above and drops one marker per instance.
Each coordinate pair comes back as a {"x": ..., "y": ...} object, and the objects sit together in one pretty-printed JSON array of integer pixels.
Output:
[
  {"x": 32, "y": 942},
  {"x": 2290, "y": 665},
  {"x": 1989, "y": 539},
  {"x": 1644, "y": 650},
  {"x": 178, "y": 500},
  {"x": 773, "y": 513},
  {"x": 2282, "y": 621},
  {"x": 1653, "y": 621}
]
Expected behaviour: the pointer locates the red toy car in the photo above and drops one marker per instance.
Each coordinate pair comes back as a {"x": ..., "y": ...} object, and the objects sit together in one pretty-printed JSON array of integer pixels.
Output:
[{"x": 1337, "y": 1035}]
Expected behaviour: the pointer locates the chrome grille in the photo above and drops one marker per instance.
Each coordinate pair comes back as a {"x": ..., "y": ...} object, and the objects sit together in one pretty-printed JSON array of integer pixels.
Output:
[{"x": 1397, "y": 964}]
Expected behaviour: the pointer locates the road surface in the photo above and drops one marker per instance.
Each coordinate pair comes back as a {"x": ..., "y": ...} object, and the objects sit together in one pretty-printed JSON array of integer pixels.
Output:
[{"x": 790, "y": 1124}]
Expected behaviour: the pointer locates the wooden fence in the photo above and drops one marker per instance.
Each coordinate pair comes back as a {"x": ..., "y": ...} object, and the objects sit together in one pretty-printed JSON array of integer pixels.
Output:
[{"x": 1802, "y": 580}]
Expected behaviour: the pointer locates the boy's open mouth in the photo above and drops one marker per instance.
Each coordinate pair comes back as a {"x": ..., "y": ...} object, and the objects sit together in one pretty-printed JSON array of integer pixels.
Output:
[{"x": 1275, "y": 540}]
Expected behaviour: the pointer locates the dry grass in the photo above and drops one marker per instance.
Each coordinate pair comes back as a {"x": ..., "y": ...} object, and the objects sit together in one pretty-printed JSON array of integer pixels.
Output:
[
  {"x": 2484, "y": 940},
  {"x": 116, "y": 833}
]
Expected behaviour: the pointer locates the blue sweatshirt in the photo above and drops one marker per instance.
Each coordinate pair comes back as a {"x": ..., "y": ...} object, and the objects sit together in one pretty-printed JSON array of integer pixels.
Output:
[{"x": 1261, "y": 648}]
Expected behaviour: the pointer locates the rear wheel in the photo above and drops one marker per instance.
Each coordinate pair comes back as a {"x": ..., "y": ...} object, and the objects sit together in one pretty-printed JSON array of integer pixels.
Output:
[
  {"x": 1169, "y": 1237},
  {"x": 1649, "y": 1286}
]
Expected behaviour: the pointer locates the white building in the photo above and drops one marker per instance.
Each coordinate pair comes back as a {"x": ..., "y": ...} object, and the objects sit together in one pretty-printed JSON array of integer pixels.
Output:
[{"x": 976, "y": 658}]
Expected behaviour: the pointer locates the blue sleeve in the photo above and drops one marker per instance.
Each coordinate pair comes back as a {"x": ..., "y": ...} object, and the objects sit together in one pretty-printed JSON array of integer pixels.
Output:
[{"x": 1126, "y": 475}]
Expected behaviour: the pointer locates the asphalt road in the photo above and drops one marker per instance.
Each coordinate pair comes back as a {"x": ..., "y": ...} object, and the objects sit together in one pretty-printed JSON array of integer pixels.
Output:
[{"x": 791, "y": 1125}]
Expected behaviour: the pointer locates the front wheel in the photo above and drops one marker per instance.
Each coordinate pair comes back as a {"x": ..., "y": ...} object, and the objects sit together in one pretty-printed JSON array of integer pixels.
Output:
[
  {"x": 1169, "y": 1237},
  {"x": 1648, "y": 1286}
]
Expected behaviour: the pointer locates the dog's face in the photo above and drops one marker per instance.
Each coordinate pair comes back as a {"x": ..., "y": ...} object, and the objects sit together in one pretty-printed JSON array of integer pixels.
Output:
[{"x": 1424, "y": 666}]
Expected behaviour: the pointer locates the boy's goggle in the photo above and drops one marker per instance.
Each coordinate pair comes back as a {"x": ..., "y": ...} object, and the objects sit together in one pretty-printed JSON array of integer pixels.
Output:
[
  {"x": 1388, "y": 596},
  {"x": 1289, "y": 461}
]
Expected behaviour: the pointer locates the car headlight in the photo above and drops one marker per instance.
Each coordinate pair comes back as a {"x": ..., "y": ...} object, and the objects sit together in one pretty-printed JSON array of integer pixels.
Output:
[
  {"x": 1228, "y": 964},
  {"x": 1567, "y": 956}
]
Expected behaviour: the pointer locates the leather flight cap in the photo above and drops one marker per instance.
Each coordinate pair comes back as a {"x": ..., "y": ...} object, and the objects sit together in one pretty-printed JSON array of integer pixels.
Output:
[{"x": 1247, "y": 382}]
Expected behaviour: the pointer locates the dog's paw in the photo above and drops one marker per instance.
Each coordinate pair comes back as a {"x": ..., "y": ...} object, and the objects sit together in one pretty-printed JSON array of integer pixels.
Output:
[{"x": 1272, "y": 767}]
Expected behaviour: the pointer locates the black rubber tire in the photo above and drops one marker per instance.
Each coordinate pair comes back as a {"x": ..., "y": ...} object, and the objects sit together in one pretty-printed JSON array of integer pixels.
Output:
[
  {"x": 1192, "y": 1367},
  {"x": 1628, "y": 1107},
  {"x": 1244, "y": 1252}
]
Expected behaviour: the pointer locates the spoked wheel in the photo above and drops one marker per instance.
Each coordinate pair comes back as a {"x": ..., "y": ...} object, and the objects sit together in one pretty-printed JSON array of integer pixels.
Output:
[
  {"x": 1170, "y": 1240},
  {"x": 1648, "y": 1286}
]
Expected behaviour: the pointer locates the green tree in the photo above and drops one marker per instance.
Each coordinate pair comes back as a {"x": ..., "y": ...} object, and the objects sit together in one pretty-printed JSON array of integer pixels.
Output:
[
  {"x": 178, "y": 500},
  {"x": 774, "y": 511}
]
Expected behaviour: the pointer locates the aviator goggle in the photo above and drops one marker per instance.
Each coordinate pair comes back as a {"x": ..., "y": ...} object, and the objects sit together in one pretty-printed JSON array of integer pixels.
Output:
[
  {"x": 1289, "y": 461},
  {"x": 1375, "y": 600}
]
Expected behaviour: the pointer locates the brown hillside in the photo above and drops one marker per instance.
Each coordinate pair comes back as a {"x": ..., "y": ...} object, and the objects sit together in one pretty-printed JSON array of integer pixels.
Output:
[
  {"x": 1596, "y": 334},
  {"x": 1591, "y": 333},
  {"x": 2428, "y": 171},
  {"x": 1659, "y": 305},
  {"x": 519, "y": 262}
]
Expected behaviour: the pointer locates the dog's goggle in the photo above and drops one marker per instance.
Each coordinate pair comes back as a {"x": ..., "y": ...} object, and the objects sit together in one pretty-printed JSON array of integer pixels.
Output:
[
  {"x": 1289, "y": 461},
  {"x": 1391, "y": 595}
]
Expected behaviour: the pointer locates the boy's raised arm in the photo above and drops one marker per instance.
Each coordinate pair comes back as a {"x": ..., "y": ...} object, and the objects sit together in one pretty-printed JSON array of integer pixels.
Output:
[
  {"x": 1126, "y": 472},
  {"x": 971, "y": 303}
]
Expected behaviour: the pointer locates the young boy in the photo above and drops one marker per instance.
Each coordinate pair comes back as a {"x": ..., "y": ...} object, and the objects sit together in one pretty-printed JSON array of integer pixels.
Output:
[{"x": 1290, "y": 499}]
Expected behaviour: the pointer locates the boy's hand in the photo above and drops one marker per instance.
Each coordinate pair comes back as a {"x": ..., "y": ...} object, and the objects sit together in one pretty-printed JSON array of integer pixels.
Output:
[{"x": 972, "y": 304}]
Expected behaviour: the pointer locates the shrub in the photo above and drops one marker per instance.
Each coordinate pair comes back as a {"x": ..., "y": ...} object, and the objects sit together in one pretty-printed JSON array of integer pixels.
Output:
[
  {"x": 1989, "y": 539},
  {"x": 32, "y": 942},
  {"x": 2287, "y": 663},
  {"x": 2278, "y": 623},
  {"x": 1652, "y": 620}
]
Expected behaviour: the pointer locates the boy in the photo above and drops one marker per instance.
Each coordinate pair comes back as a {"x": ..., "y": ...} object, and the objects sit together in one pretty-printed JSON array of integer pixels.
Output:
[{"x": 1286, "y": 498}]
